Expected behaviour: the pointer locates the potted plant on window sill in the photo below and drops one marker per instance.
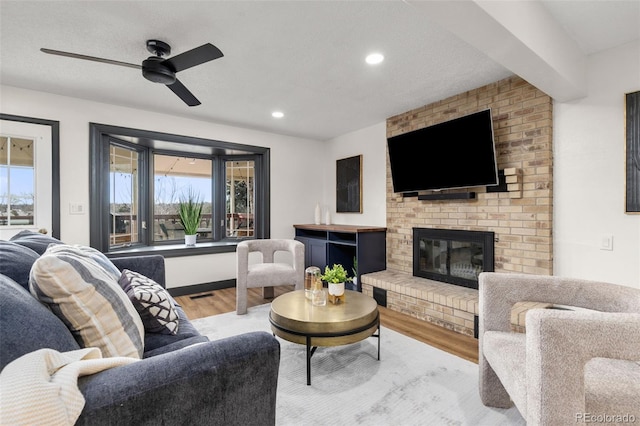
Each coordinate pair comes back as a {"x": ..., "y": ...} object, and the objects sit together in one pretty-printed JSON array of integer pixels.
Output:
[
  {"x": 190, "y": 212},
  {"x": 335, "y": 277}
]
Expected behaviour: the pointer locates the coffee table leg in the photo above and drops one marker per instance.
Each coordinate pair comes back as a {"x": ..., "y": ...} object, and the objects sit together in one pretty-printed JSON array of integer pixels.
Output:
[
  {"x": 310, "y": 352},
  {"x": 308, "y": 361},
  {"x": 378, "y": 341}
]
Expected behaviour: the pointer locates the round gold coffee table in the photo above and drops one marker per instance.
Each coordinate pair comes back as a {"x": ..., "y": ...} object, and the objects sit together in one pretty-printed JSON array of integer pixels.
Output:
[{"x": 296, "y": 319}]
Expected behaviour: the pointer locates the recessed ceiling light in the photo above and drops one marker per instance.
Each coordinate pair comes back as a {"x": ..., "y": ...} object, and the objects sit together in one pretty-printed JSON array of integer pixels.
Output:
[
  {"x": 374, "y": 58},
  {"x": 277, "y": 114}
]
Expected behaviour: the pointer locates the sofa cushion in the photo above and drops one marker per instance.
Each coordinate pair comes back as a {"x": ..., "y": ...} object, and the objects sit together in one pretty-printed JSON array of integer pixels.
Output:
[
  {"x": 27, "y": 325},
  {"x": 152, "y": 302},
  {"x": 176, "y": 345},
  {"x": 34, "y": 240},
  {"x": 16, "y": 262},
  {"x": 80, "y": 285},
  {"x": 155, "y": 343},
  {"x": 506, "y": 353},
  {"x": 612, "y": 386}
]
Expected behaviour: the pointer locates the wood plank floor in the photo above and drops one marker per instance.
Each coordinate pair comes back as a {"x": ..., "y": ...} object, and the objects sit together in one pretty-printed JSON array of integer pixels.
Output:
[{"x": 222, "y": 301}]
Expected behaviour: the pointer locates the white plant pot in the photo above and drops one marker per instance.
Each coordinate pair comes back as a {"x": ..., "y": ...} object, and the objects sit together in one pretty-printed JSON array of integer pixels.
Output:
[
  {"x": 190, "y": 240},
  {"x": 336, "y": 289}
]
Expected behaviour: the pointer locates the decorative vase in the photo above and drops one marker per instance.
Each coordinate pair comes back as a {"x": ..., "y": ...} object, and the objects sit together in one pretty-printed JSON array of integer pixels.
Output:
[
  {"x": 327, "y": 217},
  {"x": 190, "y": 240},
  {"x": 336, "y": 293},
  {"x": 311, "y": 281},
  {"x": 319, "y": 297},
  {"x": 318, "y": 216}
]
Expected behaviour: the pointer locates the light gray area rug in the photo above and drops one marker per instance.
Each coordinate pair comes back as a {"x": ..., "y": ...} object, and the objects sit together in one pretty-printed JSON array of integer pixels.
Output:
[{"x": 412, "y": 384}]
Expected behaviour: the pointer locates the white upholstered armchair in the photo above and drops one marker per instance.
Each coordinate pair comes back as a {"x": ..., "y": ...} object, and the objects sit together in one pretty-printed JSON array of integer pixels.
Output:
[
  {"x": 570, "y": 365},
  {"x": 268, "y": 273}
]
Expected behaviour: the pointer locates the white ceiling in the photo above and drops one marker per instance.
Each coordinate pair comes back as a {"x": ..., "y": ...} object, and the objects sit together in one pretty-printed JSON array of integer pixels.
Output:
[{"x": 305, "y": 58}]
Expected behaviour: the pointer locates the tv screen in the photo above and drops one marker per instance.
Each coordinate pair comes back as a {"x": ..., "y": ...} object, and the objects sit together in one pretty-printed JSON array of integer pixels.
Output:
[{"x": 459, "y": 153}]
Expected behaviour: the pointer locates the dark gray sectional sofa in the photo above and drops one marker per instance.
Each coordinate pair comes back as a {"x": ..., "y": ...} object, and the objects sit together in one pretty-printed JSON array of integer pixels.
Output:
[{"x": 183, "y": 379}]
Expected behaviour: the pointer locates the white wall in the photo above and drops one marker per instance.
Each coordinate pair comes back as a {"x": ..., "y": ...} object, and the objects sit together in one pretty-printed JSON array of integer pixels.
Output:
[
  {"x": 589, "y": 175},
  {"x": 292, "y": 186},
  {"x": 371, "y": 142}
]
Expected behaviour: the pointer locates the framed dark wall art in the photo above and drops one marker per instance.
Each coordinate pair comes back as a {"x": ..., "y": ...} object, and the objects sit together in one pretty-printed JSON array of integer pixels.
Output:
[
  {"x": 349, "y": 185},
  {"x": 632, "y": 126}
]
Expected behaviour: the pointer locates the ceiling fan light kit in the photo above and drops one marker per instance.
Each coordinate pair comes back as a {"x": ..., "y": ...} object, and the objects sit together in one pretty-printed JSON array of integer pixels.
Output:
[{"x": 158, "y": 69}]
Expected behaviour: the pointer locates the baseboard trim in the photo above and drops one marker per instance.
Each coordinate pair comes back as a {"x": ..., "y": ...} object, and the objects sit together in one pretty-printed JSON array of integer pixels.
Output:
[{"x": 200, "y": 288}]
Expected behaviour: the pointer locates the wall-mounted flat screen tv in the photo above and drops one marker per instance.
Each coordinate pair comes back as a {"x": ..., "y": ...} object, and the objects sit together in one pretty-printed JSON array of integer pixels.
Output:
[{"x": 459, "y": 153}]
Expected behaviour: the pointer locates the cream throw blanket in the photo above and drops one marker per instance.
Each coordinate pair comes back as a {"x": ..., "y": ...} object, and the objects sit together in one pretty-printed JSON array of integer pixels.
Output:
[{"x": 41, "y": 387}]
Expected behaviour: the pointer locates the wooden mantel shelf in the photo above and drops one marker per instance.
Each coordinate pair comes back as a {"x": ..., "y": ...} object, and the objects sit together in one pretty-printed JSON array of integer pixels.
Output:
[{"x": 341, "y": 228}]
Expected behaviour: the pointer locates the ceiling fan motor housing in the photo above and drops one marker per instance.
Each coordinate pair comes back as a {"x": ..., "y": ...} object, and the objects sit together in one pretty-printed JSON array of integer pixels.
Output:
[{"x": 153, "y": 69}]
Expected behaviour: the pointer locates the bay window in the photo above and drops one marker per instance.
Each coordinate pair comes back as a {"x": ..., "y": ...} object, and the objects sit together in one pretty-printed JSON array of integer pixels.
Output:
[{"x": 138, "y": 178}]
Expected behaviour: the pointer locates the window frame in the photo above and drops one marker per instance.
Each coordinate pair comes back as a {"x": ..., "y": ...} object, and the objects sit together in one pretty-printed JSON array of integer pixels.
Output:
[
  {"x": 55, "y": 164},
  {"x": 12, "y": 168},
  {"x": 143, "y": 164},
  {"x": 151, "y": 195},
  {"x": 223, "y": 160},
  {"x": 151, "y": 142}
]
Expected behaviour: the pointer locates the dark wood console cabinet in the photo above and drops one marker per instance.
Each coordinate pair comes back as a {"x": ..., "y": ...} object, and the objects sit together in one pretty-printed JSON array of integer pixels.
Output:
[{"x": 328, "y": 244}]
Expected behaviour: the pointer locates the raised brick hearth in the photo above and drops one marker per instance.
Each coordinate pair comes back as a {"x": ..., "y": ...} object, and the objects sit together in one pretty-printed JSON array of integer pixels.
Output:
[{"x": 450, "y": 306}]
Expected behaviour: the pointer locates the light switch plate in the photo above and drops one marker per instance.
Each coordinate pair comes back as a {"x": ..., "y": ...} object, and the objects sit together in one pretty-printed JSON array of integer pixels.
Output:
[
  {"x": 606, "y": 242},
  {"x": 77, "y": 208}
]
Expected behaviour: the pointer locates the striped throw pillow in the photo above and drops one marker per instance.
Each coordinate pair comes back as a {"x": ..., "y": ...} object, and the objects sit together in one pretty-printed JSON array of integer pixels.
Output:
[{"x": 80, "y": 285}]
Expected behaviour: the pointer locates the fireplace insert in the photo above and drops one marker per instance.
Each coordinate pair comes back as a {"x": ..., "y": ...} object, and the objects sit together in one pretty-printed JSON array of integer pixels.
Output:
[{"x": 452, "y": 256}]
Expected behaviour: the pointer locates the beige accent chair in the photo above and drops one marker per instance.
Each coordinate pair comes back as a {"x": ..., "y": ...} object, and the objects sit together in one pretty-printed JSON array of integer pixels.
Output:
[
  {"x": 268, "y": 273},
  {"x": 570, "y": 365}
]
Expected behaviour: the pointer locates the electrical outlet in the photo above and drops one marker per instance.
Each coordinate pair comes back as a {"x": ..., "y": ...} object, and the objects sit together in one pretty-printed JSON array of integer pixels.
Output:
[{"x": 606, "y": 242}]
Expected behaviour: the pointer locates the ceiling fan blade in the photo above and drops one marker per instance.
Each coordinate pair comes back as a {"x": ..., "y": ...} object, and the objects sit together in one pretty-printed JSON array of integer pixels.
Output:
[
  {"x": 183, "y": 93},
  {"x": 190, "y": 58},
  {"x": 89, "y": 58}
]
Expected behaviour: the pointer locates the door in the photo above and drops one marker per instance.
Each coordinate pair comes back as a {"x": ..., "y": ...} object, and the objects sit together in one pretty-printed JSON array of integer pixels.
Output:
[{"x": 26, "y": 184}]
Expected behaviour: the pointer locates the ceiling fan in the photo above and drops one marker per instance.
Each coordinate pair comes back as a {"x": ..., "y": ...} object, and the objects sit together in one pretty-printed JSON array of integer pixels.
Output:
[{"x": 158, "y": 69}]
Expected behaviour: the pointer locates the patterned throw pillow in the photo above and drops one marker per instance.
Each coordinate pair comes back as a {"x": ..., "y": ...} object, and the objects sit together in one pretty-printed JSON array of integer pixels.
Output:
[
  {"x": 80, "y": 286},
  {"x": 152, "y": 301}
]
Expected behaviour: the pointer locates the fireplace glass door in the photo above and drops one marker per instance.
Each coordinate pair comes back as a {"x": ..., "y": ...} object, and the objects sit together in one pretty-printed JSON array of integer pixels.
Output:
[{"x": 455, "y": 257}]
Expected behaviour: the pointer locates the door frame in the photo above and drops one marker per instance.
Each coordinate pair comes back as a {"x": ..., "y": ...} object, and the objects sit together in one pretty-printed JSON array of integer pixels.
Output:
[{"x": 55, "y": 164}]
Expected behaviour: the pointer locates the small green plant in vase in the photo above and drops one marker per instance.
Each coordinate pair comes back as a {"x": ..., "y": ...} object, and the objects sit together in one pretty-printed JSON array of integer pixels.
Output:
[
  {"x": 335, "y": 277},
  {"x": 190, "y": 213}
]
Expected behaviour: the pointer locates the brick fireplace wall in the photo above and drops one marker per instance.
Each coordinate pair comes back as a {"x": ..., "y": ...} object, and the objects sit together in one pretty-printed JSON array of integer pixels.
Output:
[
  {"x": 521, "y": 218},
  {"x": 522, "y": 122}
]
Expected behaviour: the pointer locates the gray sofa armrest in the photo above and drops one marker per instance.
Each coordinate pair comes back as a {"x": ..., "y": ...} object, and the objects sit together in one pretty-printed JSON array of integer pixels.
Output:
[
  {"x": 231, "y": 381},
  {"x": 151, "y": 266},
  {"x": 559, "y": 344}
]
